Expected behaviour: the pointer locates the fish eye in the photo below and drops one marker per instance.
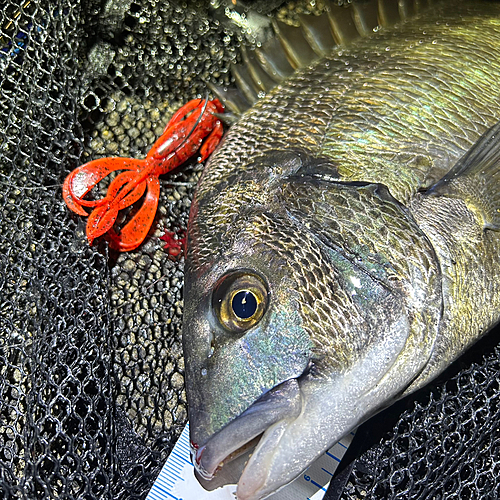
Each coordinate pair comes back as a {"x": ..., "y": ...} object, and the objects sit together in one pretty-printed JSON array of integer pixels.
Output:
[
  {"x": 240, "y": 300},
  {"x": 244, "y": 304}
]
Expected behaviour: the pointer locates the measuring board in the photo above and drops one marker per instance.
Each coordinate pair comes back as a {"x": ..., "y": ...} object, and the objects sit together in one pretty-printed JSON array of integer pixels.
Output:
[{"x": 176, "y": 480}]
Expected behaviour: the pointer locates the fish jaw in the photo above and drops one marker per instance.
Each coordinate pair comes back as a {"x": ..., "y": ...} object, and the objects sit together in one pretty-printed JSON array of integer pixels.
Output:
[
  {"x": 225, "y": 373},
  {"x": 282, "y": 402}
]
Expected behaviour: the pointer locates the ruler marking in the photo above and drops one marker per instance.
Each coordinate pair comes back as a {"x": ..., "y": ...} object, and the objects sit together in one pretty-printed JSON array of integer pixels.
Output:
[
  {"x": 153, "y": 494},
  {"x": 175, "y": 469},
  {"x": 178, "y": 463},
  {"x": 318, "y": 485},
  {"x": 181, "y": 457},
  {"x": 166, "y": 492},
  {"x": 169, "y": 480},
  {"x": 333, "y": 456},
  {"x": 177, "y": 481}
]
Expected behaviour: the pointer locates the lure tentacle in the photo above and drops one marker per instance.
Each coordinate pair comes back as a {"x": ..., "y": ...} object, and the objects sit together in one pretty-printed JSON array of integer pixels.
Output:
[
  {"x": 81, "y": 180},
  {"x": 136, "y": 230},
  {"x": 193, "y": 127}
]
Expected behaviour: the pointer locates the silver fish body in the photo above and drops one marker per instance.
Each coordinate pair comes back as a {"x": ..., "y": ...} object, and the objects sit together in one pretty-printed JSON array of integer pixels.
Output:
[{"x": 329, "y": 269}]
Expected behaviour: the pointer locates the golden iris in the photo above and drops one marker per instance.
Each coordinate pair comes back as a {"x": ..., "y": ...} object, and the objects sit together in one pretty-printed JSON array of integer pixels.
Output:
[{"x": 240, "y": 300}]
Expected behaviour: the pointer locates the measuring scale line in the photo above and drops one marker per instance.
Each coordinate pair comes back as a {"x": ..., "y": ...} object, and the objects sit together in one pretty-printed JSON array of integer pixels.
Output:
[
  {"x": 177, "y": 481},
  {"x": 177, "y": 465},
  {"x": 180, "y": 457},
  {"x": 318, "y": 485},
  {"x": 160, "y": 494},
  {"x": 333, "y": 456}
]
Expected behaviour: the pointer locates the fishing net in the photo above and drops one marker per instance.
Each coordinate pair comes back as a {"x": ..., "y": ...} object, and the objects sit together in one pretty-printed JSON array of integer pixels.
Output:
[
  {"x": 91, "y": 373},
  {"x": 91, "y": 369}
]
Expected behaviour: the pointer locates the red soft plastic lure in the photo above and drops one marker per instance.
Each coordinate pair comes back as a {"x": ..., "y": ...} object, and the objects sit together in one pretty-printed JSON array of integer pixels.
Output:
[
  {"x": 174, "y": 243},
  {"x": 193, "y": 127}
]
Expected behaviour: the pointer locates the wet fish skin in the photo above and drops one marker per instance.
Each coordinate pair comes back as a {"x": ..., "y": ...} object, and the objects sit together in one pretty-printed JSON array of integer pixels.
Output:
[{"x": 373, "y": 287}]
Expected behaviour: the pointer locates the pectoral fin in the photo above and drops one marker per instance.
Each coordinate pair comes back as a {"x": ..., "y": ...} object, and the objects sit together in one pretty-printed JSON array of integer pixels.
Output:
[{"x": 475, "y": 179}]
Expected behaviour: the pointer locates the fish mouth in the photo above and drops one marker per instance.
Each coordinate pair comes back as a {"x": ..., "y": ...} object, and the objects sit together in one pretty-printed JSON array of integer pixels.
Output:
[{"x": 239, "y": 436}]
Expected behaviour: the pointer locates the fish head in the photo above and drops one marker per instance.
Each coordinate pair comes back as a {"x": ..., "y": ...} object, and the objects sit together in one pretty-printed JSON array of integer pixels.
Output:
[{"x": 310, "y": 304}]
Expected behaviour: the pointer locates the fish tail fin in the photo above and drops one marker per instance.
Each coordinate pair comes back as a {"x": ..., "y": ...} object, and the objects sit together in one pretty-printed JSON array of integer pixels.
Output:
[{"x": 476, "y": 179}]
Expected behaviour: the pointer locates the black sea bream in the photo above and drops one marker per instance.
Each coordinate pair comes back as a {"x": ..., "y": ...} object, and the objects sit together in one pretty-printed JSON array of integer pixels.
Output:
[{"x": 343, "y": 241}]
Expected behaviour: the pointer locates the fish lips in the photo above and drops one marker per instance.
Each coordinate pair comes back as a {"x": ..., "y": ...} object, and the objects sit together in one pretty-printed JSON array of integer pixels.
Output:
[{"x": 283, "y": 402}]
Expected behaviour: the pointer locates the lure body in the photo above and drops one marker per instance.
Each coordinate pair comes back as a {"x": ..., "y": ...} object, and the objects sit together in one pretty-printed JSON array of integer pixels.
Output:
[{"x": 185, "y": 134}]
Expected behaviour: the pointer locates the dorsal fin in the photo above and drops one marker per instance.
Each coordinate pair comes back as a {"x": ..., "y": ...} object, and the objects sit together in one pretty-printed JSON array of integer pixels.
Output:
[
  {"x": 245, "y": 82},
  {"x": 406, "y": 9},
  {"x": 296, "y": 47},
  {"x": 273, "y": 60},
  {"x": 342, "y": 24},
  {"x": 233, "y": 99},
  {"x": 317, "y": 33},
  {"x": 262, "y": 79},
  {"x": 388, "y": 13},
  {"x": 365, "y": 16}
]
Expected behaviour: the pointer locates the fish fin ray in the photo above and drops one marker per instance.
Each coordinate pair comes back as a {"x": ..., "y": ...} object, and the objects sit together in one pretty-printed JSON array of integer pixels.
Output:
[
  {"x": 273, "y": 60},
  {"x": 261, "y": 78},
  {"x": 365, "y": 15},
  {"x": 406, "y": 9},
  {"x": 342, "y": 24},
  {"x": 475, "y": 179},
  {"x": 232, "y": 98},
  {"x": 298, "y": 51},
  {"x": 389, "y": 13},
  {"x": 317, "y": 32},
  {"x": 245, "y": 83},
  {"x": 292, "y": 48}
]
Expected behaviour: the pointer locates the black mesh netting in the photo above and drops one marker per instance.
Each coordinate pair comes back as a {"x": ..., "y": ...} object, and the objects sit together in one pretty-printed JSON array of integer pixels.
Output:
[{"x": 91, "y": 369}]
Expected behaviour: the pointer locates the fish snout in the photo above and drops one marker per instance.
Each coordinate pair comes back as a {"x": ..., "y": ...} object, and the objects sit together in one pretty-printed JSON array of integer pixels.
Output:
[{"x": 243, "y": 433}]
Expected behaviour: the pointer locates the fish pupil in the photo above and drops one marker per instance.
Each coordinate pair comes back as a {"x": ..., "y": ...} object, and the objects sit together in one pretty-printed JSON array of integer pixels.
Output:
[{"x": 244, "y": 304}]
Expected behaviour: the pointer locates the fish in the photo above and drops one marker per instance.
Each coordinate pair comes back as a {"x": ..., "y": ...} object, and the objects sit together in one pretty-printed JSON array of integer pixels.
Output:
[{"x": 343, "y": 240}]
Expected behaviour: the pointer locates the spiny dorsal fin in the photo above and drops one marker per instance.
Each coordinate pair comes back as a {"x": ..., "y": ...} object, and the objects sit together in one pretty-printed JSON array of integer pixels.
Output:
[
  {"x": 298, "y": 51},
  {"x": 365, "y": 16},
  {"x": 342, "y": 24},
  {"x": 245, "y": 82},
  {"x": 293, "y": 48},
  {"x": 389, "y": 13},
  {"x": 317, "y": 33},
  {"x": 407, "y": 10},
  {"x": 475, "y": 179},
  {"x": 262, "y": 79},
  {"x": 273, "y": 59},
  {"x": 233, "y": 99}
]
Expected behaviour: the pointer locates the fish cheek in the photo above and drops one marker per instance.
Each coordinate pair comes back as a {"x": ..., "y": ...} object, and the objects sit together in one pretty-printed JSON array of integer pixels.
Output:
[
  {"x": 232, "y": 367},
  {"x": 346, "y": 307}
]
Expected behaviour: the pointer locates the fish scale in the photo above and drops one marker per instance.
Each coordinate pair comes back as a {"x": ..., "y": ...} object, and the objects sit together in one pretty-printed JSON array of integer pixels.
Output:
[{"x": 342, "y": 96}]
